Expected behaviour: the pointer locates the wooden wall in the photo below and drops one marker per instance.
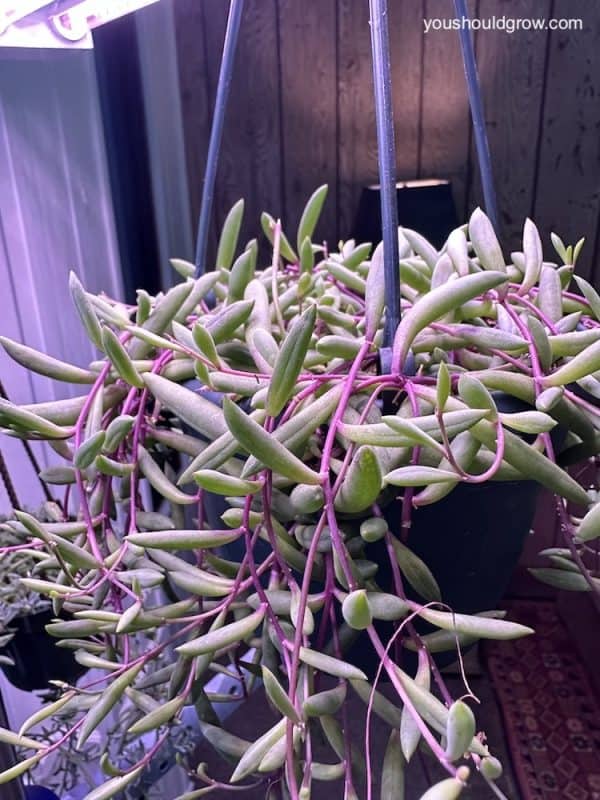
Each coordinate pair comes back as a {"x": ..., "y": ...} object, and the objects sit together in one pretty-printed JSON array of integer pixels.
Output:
[{"x": 301, "y": 110}]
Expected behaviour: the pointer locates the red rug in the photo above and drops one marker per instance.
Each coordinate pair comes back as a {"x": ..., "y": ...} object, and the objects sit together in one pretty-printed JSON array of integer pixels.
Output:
[{"x": 551, "y": 715}]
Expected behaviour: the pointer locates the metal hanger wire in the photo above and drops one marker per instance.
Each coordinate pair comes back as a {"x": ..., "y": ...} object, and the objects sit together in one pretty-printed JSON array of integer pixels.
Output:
[
  {"x": 386, "y": 154},
  {"x": 382, "y": 85},
  {"x": 479, "y": 129},
  {"x": 216, "y": 132}
]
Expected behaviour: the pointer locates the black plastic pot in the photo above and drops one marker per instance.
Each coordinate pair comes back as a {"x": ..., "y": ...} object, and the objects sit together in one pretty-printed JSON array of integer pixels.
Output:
[
  {"x": 472, "y": 540},
  {"x": 36, "y": 657}
]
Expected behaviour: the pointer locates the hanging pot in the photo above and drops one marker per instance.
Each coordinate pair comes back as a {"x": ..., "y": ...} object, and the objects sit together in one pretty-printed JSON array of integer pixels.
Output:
[
  {"x": 471, "y": 541},
  {"x": 37, "y": 659}
]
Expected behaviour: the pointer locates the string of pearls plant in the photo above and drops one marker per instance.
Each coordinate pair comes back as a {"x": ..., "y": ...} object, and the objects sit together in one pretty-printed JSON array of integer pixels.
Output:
[{"x": 308, "y": 456}]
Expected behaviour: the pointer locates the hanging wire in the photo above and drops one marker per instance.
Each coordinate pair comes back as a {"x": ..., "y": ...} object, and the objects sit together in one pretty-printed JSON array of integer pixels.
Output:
[
  {"x": 386, "y": 151},
  {"x": 8, "y": 484},
  {"x": 216, "y": 132},
  {"x": 474, "y": 91}
]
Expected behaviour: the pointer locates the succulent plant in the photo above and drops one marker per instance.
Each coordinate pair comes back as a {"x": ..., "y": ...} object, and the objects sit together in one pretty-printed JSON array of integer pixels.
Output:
[{"x": 307, "y": 442}]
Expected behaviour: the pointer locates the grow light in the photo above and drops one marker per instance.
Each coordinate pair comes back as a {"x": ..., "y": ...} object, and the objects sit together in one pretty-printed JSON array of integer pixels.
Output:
[
  {"x": 60, "y": 23},
  {"x": 424, "y": 204}
]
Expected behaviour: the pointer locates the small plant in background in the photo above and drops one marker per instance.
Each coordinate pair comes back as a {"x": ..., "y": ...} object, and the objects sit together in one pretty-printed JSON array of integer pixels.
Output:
[
  {"x": 20, "y": 562},
  {"x": 320, "y": 461},
  {"x": 72, "y": 770}
]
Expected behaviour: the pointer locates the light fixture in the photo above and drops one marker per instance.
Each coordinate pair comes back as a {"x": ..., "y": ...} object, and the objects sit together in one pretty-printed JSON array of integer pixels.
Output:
[
  {"x": 425, "y": 205},
  {"x": 52, "y": 24}
]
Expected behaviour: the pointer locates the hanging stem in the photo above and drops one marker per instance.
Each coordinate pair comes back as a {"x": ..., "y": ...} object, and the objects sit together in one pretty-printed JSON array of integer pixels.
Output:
[{"x": 216, "y": 132}]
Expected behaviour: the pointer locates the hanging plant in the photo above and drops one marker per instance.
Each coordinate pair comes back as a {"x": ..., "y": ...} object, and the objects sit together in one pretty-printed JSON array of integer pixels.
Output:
[{"x": 322, "y": 462}]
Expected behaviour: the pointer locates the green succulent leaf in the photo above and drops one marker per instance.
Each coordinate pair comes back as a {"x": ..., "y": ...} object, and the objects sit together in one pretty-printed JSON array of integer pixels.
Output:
[
  {"x": 549, "y": 297},
  {"x": 113, "y": 786},
  {"x": 84, "y": 456},
  {"x": 310, "y": 215},
  {"x": 362, "y": 483},
  {"x": 421, "y": 246},
  {"x": 324, "y": 703},
  {"x": 563, "y": 579},
  {"x": 223, "y": 637},
  {"x": 384, "y": 709},
  {"x": 242, "y": 273},
  {"x": 183, "y": 540},
  {"x": 490, "y": 768},
  {"x": 266, "y": 448},
  {"x": 528, "y": 422},
  {"x": 472, "y": 625},
  {"x": 438, "y": 302},
  {"x": 412, "y": 432},
  {"x": 109, "y": 698},
  {"x": 224, "y": 742},
  {"x": 12, "y": 416},
  {"x": 18, "y": 769},
  {"x": 120, "y": 359},
  {"x": 410, "y": 735},
  {"x": 218, "y": 483},
  {"x": 448, "y": 789},
  {"x": 357, "y": 610},
  {"x": 18, "y": 740},
  {"x": 331, "y": 665},
  {"x": 374, "y": 293},
  {"x": 530, "y": 462},
  {"x": 485, "y": 242},
  {"x": 290, "y": 360},
  {"x": 156, "y": 718},
  {"x": 268, "y": 225},
  {"x": 460, "y": 730},
  {"x": 42, "y": 364},
  {"x": 589, "y": 527},
  {"x": 184, "y": 268},
  {"x": 418, "y": 476},
  {"x": 580, "y": 366},
  {"x": 229, "y": 235},
  {"x": 307, "y": 256},
  {"x": 443, "y": 387},
  {"x": 457, "y": 249},
  {"x": 254, "y": 754},
  {"x": 532, "y": 251},
  {"x": 199, "y": 413},
  {"x": 278, "y": 696},
  {"x": 85, "y": 310},
  {"x": 164, "y": 312},
  {"x": 157, "y": 478},
  {"x": 416, "y": 572}
]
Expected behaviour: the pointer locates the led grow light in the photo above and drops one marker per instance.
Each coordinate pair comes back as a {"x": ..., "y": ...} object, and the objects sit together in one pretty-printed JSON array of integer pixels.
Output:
[{"x": 59, "y": 23}]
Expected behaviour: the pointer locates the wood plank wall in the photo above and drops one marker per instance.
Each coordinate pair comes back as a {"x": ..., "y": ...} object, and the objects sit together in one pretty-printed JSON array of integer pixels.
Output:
[{"x": 301, "y": 110}]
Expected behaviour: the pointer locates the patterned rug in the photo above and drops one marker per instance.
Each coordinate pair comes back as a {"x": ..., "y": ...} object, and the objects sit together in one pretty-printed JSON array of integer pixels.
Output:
[{"x": 551, "y": 715}]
